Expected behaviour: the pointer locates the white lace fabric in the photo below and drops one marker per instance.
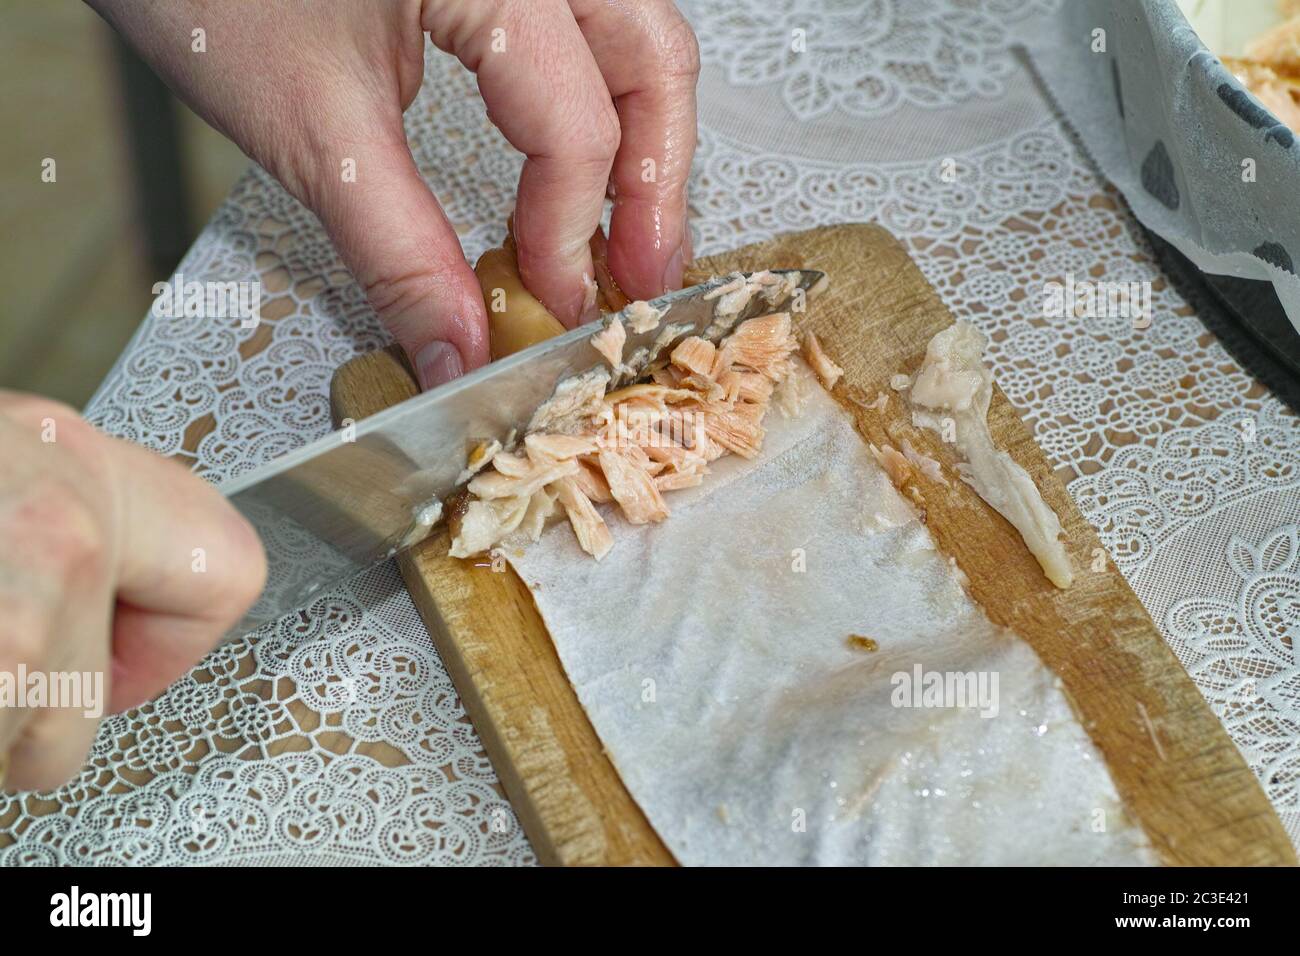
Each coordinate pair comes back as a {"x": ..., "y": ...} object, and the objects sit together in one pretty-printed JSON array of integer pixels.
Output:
[{"x": 335, "y": 736}]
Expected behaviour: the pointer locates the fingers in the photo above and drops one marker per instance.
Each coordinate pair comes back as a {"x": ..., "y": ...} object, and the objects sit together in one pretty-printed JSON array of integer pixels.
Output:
[
  {"x": 52, "y": 740},
  {"x": 51, "y": 746},
  {"x": 189, "y": 567},
  {"x": 314, "y": 92},
  {"x": 650, "y": 61},
  {"x": 54, "y": 629},
  {"x": 545, "y": 93},
  {"x": 396, "y": 240},
  {"x": 103, "y": 537}
]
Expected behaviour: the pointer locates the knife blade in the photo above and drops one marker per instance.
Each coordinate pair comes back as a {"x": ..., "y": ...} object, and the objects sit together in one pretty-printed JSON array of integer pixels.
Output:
[{"x": 360, "y": 495}]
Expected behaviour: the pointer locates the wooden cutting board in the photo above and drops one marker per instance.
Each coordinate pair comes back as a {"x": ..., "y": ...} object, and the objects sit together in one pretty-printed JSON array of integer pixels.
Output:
[{"x": 1173, "y": 764}]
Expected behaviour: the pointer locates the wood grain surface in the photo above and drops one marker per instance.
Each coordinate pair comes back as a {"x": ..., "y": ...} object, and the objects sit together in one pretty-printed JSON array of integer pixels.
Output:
[{"x": 1175, "y": 768}]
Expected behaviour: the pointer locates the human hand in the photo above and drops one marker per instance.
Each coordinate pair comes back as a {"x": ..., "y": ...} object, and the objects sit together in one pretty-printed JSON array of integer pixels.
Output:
[
  {"x": 596, "y": 94},
  {"x": 113, "y": 562}
]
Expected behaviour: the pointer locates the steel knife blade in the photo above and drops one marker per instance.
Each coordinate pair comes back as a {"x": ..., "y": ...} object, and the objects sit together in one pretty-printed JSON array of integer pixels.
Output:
[{"x": 341, "y": 504}]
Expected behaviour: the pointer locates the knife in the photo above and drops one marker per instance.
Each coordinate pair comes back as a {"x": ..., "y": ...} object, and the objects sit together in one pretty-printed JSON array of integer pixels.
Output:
[{"x": 362, "y": 494}]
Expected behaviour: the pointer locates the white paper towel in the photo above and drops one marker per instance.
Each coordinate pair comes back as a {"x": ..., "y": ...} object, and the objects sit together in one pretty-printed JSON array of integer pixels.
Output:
[{"x": 711, "y": 654}]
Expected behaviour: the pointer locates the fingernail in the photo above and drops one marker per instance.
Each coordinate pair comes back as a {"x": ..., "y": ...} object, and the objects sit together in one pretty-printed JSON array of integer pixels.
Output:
[
  {"x": 673, "y": 271},
  {"x": 438, "y": 363}
]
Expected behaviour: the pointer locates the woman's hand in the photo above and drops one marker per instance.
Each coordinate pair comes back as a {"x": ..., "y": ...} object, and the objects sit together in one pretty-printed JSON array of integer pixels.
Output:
[
  {"x": 113, "y": 562},
  {"x": 597, "y": 94}
]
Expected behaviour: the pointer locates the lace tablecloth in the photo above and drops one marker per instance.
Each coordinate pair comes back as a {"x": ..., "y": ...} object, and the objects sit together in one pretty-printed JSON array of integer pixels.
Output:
[{"x": 335, "y": 735}]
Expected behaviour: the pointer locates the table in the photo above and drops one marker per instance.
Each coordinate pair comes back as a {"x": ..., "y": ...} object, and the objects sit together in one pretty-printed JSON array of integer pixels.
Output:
[{"x": 334, "y": 736}]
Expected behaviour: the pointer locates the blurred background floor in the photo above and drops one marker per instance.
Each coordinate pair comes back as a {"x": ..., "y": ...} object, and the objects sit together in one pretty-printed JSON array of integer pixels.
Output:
[{"x": 76, "y": 272}]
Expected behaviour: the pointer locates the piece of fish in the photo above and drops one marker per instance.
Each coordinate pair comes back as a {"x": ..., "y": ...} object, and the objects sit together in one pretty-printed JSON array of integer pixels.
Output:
[{"x": 630, "y": 445}]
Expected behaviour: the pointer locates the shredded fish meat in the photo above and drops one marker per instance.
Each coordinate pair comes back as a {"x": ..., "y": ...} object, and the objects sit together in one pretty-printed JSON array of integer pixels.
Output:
[{"x": 629, "y": 446}]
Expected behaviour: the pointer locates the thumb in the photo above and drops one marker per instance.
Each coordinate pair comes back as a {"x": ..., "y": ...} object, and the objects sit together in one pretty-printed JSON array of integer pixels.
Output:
[{"x": 398, "y": 244}]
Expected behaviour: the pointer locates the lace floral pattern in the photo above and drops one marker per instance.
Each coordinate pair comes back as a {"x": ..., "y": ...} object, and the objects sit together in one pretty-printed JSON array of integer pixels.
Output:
[
  {"x": 335, "y": 736},
  {"x": 864, "y": 58},
  {"x": 1241, "y": 648}
]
